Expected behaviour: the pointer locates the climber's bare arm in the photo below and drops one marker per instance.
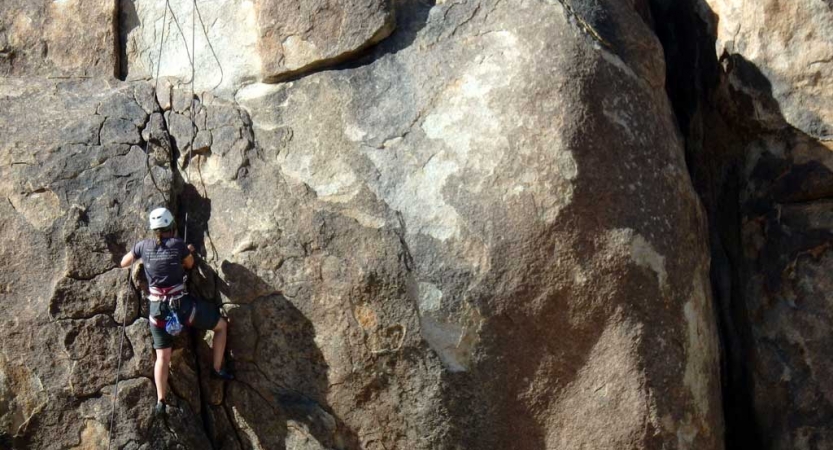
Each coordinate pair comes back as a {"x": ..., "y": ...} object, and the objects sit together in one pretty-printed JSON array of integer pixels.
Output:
[
  {"x": 127, "y": 260},
  {"x": 188, "y": 262}
]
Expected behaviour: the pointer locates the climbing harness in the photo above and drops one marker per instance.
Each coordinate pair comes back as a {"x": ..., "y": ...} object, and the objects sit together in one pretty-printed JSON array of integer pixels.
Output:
[
  {"x": 171, "y": 297},
  {"x": 161, "y": 294}
]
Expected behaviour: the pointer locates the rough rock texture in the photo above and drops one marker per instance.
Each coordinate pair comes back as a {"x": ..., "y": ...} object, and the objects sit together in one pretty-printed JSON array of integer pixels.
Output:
[
  {"x": 778, "y": 62},
  {"x": 55, "y": 38},
  {"x": 241, "y": 41},
  {"x": 787, "y": 237},
  {"x": 756, "y": 118},
  {"x": 479, "y": 235},
  {"x": 296, "y": 35},
  {"x": 75, "y": 180},
  {"x": 783, "y": 52}
]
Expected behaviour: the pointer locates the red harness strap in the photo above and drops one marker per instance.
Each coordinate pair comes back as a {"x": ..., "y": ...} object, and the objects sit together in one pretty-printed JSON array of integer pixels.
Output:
[{"x": 166, "y": 294}]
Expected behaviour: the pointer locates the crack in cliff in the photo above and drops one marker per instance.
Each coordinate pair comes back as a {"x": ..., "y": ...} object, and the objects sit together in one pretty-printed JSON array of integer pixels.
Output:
[
  {"x": 176, "y": 202},
  {"x": 229, "y": 417},
  {"x": 694, "y": 78}
]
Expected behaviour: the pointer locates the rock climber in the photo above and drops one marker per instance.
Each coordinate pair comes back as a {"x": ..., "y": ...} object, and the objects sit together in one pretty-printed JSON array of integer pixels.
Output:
[{"x": 166, "y": 259}]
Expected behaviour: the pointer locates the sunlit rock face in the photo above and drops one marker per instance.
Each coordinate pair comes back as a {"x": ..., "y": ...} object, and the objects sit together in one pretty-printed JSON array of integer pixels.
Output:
[
  {"x": 236, "y": 42},
  {"x": 478, "y": 234},
  {"x": 59, "y": 38},
  {"x": 783, "y": 52}
]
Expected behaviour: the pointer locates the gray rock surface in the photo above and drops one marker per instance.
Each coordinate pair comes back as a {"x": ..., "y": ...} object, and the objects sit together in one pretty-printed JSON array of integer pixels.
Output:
[
  {"x": 787, "y": 233},
  {"x": 481, "y": 234},
  {"x": 72, "y": 203}
]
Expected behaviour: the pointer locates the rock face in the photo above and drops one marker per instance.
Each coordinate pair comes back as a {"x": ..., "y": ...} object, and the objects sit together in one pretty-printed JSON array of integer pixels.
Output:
[
  {"x": 481, "y": 234},
  {"x": 756, "y": 117},
  {"x": 44, "y": 37},
  {"x": 75, "y": 175},
  {"x": 296, "y": 35},
  {"x": 241, "y": 41},
  {"x": 778, "y": 62},
  {"x": 783, "y": 52}
]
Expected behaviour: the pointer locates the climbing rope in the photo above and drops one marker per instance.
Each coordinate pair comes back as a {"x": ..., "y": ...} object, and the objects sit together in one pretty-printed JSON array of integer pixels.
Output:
[
  {"x": 192, "y": 60},
  {"x": 121, "y": 348}
]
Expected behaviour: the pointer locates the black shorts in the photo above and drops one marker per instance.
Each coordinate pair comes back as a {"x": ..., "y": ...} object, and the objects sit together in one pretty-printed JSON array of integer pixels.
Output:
[{"x": 206, "y": 317}]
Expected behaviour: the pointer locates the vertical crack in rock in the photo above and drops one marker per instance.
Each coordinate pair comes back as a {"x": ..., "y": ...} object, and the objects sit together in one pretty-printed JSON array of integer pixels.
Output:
[
  {"x": 694, "y": 79},
  {"x": 158, "y": 135},
  {"x": 118, "y": 45},
  {"x": 203, "y": 397}
]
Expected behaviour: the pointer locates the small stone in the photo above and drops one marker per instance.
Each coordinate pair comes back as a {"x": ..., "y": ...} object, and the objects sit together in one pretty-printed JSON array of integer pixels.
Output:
[
  {"x": 83, "y": 131},
  {"x": 143, "y": 93},
  {"x": 163, "y": 94},
  {"x": 155, "y": 128},
  {"x": 223, "y": 138},
  {"x": 201, "y": 117},
  {"x": 221, "y": 115},
  {"x": 181, "y": 130},
  {"x": 182, "y": 98}
]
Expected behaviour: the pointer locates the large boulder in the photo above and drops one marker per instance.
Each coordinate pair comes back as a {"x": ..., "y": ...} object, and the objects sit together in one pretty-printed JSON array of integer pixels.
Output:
[
  {"x": 481, "y": 234},
  {"x": 526, "y": 172},
  {"x": 67, "y": 38}
]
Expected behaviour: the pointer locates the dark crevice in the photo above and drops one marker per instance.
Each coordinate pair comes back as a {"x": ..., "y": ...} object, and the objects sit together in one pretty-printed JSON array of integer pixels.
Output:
[
  {"x": 714, "y": 155},
  {"x": 325, "y": 64},
  {"x": 205, "y": 418},
  {"x": 230, "y": 418},
  {"x": 118, "y": 46}
]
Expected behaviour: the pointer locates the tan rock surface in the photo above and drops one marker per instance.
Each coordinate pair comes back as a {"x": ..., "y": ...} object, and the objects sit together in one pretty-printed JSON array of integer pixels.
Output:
[
  {"x": 787, "y": 52},
  {"x": 240, "y": 41},
  {"x": 297, "y": 35},
  {"x": 480, "y": 235},
  {"x": 59, "y": 38}
]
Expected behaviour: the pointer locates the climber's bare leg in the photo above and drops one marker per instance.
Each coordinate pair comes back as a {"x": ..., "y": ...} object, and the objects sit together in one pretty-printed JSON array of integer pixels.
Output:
[
  {"x": 160, "y": 372},
  {"x": 218, "y": 344}
]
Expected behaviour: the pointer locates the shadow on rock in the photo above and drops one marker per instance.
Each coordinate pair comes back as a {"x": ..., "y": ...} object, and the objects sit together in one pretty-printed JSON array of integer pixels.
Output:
[{"x": 279, "y": 399}]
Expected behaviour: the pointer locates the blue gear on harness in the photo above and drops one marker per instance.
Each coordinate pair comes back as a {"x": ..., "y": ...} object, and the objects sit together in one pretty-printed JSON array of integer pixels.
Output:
[
  {"x": 172, "y": 324},
  {"x": 172, "y": 296}
]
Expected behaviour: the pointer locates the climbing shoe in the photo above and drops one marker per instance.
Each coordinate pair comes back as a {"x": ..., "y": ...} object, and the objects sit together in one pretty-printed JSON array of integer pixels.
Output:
[
  {"x": 160, "y": 409},
  {"x": 221, "y": 375}
]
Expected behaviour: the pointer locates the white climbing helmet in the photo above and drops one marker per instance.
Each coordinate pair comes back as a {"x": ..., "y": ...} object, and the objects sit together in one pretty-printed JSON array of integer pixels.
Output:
[{"x": 160, "y": 218}]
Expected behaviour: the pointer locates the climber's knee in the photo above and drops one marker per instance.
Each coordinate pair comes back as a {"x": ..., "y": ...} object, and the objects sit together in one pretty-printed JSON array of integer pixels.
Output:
[
  {"x": 222, "y": 325},
  {"x": 163, "y": 355}
]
